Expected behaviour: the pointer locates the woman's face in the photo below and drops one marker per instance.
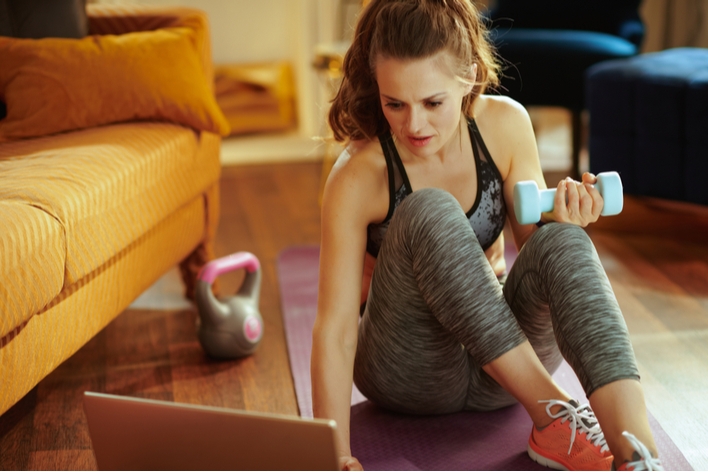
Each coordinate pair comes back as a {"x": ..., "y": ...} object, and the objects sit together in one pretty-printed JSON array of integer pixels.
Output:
[{"x": 422, "y": 101}]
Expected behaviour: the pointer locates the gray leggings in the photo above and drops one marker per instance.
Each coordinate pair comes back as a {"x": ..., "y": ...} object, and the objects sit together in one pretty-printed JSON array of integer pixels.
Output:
[{"x": 437, "y": 313}]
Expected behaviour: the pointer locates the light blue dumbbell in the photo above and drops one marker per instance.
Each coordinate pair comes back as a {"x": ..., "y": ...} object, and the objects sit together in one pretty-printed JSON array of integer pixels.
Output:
[{"x": 530, "y": 202}]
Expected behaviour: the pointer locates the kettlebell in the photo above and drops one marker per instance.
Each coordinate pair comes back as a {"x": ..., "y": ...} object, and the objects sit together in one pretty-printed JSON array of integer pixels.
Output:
[{"x": 231, "y": 327}]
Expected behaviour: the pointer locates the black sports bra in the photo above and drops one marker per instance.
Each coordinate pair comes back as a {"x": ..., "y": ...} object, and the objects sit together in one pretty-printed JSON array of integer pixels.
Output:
[{"x": 488, "y": 213}]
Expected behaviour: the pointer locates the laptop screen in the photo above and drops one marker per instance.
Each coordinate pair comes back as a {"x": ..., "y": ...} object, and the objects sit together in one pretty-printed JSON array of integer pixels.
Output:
[{"x": 138, "y": 434}]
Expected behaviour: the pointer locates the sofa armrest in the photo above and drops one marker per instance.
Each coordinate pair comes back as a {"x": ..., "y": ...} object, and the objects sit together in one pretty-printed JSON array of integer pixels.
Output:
[{"x": 121, "y": 19}]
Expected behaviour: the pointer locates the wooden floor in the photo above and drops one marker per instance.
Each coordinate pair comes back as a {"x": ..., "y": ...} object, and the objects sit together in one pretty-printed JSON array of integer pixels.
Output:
[{"x": 655, "y": 255}]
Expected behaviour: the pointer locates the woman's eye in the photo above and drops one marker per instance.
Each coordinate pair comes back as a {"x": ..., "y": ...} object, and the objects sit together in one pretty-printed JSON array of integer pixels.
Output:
[
  {"x": 434, "y": 104},
  {"x": 393, "y": 105}
]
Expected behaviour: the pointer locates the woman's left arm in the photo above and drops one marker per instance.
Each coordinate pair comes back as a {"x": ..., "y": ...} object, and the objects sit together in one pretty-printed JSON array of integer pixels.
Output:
[{"x": 575, "y": 202}]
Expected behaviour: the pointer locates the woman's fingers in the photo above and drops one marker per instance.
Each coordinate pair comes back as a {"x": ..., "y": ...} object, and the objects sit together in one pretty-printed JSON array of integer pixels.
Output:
[
  {"x": 573, "y": 199},
  {"x": 589, "y": 178},
  {"x": 578, "y": 203},
  {"x": 597, "y": 201},
  {"x": 585, "y": 204},
  {"x": 349, "y": 463},
  {"x": 560, "y": 207}
]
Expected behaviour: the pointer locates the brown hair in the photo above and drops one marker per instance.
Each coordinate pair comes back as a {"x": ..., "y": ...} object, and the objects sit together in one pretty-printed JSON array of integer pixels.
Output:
[{"x": 408, "y": 29}]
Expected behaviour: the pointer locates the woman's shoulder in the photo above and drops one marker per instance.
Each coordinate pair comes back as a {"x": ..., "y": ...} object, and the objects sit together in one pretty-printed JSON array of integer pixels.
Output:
[
  {"x": 506, "y": 128},
  {"x": 358, "y": 181},
  {"x": 359, "y": 159},
  {"x": 499, "y": 110}
]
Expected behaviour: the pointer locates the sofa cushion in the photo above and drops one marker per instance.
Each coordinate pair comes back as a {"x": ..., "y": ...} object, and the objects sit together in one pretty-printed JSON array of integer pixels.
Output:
[
  {"x": 106, "y": 18},
  {"x": 54, "y": 85},
  {"x": 107, "y": 186},
  {"x": 32, "y": 256}
]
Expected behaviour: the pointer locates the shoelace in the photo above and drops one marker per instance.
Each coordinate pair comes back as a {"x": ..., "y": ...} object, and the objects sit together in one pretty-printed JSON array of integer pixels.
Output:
[
  {"x": 647, "y": 462},
  {"x": 582, "y": 418}
]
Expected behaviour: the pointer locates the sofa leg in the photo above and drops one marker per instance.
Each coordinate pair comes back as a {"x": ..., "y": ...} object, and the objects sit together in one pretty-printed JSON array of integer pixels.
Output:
[
  {"x": 204, "y": 253},
  {"x": 192, "y": 264}
]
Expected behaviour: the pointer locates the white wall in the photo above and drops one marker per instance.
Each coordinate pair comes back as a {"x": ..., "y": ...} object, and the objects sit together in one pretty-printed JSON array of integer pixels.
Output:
[{"x": 242, "y": 30}]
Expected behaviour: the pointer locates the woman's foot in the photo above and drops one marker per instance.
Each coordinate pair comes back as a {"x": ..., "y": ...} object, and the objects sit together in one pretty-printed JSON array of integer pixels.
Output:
[
  {"x": 642, "y": 459},
  {"x": 573, "y": 441}
]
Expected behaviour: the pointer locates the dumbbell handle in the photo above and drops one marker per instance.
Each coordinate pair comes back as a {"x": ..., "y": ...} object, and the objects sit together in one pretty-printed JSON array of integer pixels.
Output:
[
  {"x": 227, "y": 264},
  {"x": 547, "y": 199},
  {"x": 530, "y": 202}
]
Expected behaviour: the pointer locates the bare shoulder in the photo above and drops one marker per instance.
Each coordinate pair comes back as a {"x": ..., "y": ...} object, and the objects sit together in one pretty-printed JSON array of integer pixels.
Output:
[
  {"x": 506, "y": 128},
  {"x": 500, "y": 111},
  {"x": 358, "y": 163},
  {"x": 358, "y": 179}
]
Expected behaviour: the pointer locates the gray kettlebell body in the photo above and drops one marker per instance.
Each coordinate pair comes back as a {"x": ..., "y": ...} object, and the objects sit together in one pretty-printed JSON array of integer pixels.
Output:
[{"x": 230, "y": 327}]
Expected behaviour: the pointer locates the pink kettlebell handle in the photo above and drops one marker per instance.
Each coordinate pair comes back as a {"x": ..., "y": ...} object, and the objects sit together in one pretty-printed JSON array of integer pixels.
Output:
[{"x": 235, "y": 261}]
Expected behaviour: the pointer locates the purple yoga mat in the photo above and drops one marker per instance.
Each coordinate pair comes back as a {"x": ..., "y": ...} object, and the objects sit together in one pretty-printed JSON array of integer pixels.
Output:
[{"x": 384, "y": 440}]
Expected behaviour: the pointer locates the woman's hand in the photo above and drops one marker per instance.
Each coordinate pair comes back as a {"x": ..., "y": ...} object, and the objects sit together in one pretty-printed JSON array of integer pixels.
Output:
[
  {"x": 578, "y": 203},
  {"x": 349, "y": 463}
]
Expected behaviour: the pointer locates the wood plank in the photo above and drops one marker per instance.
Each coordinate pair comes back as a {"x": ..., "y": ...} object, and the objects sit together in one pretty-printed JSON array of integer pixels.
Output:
[
  {"x": 665, "y": 297},
  {"x": 676, "y": 221},
  {"x": 59, "y": 421},
  {"x": 16, "y": 430},
  {"x": 59, "y": 460},
  {"x": 685, "y": 263},
  {"x": 141, "y": 366}
]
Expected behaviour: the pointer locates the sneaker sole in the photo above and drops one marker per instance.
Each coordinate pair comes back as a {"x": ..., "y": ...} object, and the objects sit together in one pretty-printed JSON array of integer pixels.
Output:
[{"x": 544, "y": 461}]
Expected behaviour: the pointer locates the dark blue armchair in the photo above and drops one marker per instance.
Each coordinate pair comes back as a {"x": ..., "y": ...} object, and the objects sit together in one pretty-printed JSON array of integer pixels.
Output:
[{"x": 547, "y": 45}]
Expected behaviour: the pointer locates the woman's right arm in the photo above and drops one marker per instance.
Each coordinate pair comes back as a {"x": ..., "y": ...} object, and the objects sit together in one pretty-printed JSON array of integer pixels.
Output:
[{"x": 334, "y": 337}]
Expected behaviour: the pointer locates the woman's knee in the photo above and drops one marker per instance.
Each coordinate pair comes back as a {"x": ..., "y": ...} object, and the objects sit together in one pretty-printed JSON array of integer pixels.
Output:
[
  {"x": 430, "y": 215},
  {"x": 560, "y": 233},
  {"x": 561, "y": 242},
  {"x": 427, "y": 203}
]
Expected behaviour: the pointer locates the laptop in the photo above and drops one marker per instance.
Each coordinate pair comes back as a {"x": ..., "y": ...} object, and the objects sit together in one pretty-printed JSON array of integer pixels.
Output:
[{"x": 138, "y": 434}]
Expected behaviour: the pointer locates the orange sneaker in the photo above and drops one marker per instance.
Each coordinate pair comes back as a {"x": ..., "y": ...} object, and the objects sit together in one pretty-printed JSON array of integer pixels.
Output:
[
  {"x": 642, "y": 459},
  {"x": 574, "y": 441}
]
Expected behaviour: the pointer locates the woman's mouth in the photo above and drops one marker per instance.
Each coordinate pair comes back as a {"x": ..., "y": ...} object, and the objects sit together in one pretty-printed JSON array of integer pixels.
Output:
[{"x": 419, "y": 142}]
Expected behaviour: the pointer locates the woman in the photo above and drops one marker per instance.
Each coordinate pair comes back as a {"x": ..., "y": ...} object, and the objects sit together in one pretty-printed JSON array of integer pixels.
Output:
[{"x": 412, "y": 221}]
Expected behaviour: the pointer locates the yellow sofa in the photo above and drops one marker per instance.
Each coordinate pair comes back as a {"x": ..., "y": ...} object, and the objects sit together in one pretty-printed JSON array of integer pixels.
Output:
[{"x": 90, "y": 218}]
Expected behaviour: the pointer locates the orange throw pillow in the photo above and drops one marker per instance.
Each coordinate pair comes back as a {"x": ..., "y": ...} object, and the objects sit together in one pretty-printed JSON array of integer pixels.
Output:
[{"x": 53, "y": 85}]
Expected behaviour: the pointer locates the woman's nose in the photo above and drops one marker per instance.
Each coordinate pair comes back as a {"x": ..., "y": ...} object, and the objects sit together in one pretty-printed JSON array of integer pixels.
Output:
[{"x": 415, "y": 121}]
